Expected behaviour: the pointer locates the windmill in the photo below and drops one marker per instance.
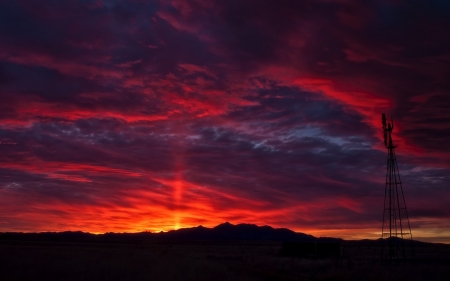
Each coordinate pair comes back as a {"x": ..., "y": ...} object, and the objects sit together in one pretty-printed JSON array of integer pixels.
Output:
[{"x": 396, "y": 230}]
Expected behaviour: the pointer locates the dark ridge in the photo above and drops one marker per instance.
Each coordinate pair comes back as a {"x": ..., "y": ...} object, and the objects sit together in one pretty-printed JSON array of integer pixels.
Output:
[
  {"x": 227, "y": 231},
  {"x": 378, "y": 242},
  {"x": 222, "y": 232}
]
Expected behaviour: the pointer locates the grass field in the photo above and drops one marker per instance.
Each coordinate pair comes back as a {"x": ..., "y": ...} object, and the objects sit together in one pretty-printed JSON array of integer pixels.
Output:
[{"x": 206, "y": 261}]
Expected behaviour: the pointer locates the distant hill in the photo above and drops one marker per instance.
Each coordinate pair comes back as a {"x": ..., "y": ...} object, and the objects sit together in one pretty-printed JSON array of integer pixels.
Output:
[
  {"x": 377, "y": 242},
  {"x": 222, "y": 232},
  {"x": 228, "y": 231}
]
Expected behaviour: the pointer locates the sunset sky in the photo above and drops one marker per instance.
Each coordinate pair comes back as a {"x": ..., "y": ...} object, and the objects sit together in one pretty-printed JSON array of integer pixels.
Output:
[{"x": 131, "y": 116}]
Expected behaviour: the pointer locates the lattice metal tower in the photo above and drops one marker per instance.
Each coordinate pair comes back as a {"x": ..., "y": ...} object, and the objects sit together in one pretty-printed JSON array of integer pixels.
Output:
[{"x": 396, "y": 230}]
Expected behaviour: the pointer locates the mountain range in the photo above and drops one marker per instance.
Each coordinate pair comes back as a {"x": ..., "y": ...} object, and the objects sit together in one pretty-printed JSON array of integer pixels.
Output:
[{"x": 223, "y": 232}]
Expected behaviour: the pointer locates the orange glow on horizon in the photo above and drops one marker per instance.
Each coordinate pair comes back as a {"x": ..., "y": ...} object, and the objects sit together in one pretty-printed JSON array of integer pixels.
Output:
[{"x": 178, "y": 193}]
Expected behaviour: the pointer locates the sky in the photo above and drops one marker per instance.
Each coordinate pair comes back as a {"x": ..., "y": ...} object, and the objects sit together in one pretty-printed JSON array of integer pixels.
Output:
[{"x": 130, "y": 116}]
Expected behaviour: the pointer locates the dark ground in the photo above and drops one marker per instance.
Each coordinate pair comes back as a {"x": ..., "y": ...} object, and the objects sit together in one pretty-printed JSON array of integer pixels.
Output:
[{"x": 207, "y": 260}]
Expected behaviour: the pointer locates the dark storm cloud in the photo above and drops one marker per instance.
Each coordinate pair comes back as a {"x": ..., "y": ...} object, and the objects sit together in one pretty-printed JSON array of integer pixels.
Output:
[{"x": 389, "y": 49}]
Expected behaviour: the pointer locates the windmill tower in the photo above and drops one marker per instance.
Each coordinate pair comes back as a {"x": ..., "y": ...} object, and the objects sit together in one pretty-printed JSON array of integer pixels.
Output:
[{"x": 396, "y": 231}]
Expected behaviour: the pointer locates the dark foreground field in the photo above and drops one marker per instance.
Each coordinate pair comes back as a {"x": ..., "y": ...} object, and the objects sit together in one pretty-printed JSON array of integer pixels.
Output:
[{"x": 205, "y": 261}]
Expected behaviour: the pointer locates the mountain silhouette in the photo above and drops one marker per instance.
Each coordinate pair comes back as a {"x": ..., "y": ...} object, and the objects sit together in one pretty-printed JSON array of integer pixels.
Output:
[
  {"x": 228, "y": 231},
  {"x": 222, "y": 232}
]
